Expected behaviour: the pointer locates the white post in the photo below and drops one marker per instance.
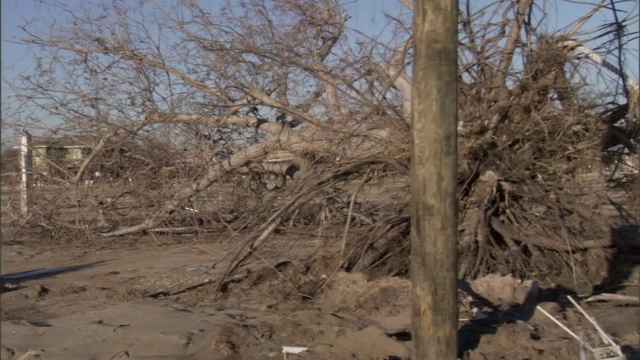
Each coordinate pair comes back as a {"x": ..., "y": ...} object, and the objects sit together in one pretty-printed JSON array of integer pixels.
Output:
[{"x": 26, "y": 172}]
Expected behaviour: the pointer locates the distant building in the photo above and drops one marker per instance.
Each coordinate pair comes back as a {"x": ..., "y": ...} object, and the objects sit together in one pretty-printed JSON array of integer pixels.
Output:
[{"x": 68, "y": 152}]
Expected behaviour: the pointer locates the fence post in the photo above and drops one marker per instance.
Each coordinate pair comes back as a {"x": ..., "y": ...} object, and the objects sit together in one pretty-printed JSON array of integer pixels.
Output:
[{"x": 26, "y": 172}]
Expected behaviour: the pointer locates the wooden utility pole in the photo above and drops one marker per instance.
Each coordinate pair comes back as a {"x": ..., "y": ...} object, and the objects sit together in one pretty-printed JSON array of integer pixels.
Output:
[{"x": 433, "y": 180}]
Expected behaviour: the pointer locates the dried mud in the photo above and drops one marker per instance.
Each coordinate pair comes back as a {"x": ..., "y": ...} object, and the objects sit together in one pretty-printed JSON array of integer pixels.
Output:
[{"x": 100, "y": 307}]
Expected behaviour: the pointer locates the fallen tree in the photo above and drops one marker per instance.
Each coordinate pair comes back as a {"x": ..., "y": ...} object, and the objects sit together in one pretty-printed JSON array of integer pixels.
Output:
[{"x": 260, "y": 77}]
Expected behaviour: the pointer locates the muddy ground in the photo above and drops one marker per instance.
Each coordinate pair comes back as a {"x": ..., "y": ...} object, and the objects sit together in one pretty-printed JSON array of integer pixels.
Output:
[{"x": 108, "y": 300}]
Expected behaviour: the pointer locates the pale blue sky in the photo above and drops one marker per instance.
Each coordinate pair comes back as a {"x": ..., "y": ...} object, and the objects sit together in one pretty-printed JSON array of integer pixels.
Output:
[{"x": 367, "y": 16}]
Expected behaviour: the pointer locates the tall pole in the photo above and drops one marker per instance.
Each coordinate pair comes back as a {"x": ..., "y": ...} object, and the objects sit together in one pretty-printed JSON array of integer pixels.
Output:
[
  {"x": 433, "y": 180},
  {"x": 26, "y": 172}
]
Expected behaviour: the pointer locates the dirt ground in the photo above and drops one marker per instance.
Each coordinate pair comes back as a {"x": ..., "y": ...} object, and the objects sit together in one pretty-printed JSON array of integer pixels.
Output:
[{"x": 108, "y": 300}]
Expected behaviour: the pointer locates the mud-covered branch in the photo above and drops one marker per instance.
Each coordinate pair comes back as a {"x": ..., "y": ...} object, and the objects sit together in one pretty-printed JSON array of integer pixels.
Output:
[{"x": 509, "y": 232}]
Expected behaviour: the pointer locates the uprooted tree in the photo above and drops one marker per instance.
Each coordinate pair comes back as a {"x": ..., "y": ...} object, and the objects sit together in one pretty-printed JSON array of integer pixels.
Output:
[{"x": 298, "y": 100}]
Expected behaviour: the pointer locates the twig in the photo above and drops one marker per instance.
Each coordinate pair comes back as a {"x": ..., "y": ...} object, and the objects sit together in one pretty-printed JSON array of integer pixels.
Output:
[
  {"x": 593, "y": 322},
  {"x": 613, "y": 297},
  {"x": 274, "y": 268},
  {"x": 211, "y": 267},
  {"x": 564, "y": 327},
  {"x": 353, "y": 200},
  {"x": 27, "y": 355},
  {"x": 308, "y": 233},
  {"x": 337, "y": 268},
  {"x": 262, "y": 234},
  {"x": 155, "y": 238},
  {"x": 571, "y": 257},
  {"x": 120, "y": 355},
  {"x": 631, "y": 83},
  {"x": 181, "y": 230},
  {"x": 506, "y": 230}
]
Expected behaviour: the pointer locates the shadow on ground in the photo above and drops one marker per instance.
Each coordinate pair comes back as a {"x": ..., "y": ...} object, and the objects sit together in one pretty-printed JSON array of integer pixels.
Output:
[
  {"x": 625, "y": 257},
  {"x": 17, "y": 278}
]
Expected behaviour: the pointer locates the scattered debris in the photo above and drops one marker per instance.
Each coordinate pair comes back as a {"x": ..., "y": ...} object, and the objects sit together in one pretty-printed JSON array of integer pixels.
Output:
[
  {"x": 121, "y": 326},
  {"x": 108, "y": 273},
  {"x": 293, "y": 350},
  {"x": 503, "y": 291},
  {"x": 8, "y": 287},
  {"x": 610, "y": 350},
  {"x": 625, "y": 299},
  {"x": 38, "y": 291},
  {"x": 198, "y": 268},
  {"x": 31, "y": 354},
  {"x": 121, "y": 355}
]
